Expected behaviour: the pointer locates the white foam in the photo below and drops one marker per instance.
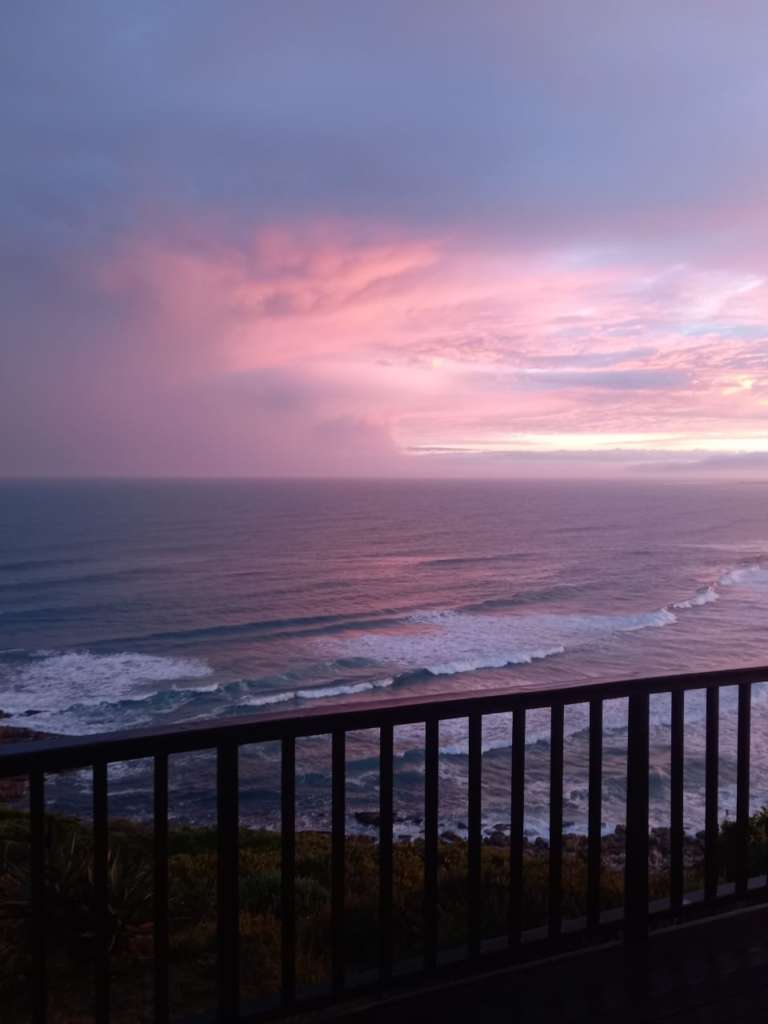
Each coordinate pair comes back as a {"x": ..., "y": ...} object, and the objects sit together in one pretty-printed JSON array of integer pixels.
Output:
[
  {"x": 446, "y": 642},
  {"x": 342, "y": 689},
  {"x": 212, "y": 688},
  {"x": 263, "y": 700},
  {"x": 706, "y": 595},
  {"x": 755, "y": 573},
  {"x": 314, "y": 693},
  {"x": 451, "y": 668},
  {"x": 57, "y": 682}
]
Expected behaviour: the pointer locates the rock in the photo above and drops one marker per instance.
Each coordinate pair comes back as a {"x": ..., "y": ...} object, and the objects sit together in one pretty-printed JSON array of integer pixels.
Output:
[
  {"x": 369, "y": 818},
  {"x": 450, "y": 837},
  {"x": 497, "y": 839}
]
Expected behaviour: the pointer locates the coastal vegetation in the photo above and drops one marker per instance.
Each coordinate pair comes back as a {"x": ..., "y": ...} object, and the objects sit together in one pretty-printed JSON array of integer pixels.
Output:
[{"x": 70, "y": 934}]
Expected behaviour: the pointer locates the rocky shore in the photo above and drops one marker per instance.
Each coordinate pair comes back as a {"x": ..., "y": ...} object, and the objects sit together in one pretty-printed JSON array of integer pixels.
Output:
[{"x": 613, "y": 845}]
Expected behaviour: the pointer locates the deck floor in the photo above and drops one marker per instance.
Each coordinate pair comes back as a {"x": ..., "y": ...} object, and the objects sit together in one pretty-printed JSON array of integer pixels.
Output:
[{"x": 709, "y": 973}]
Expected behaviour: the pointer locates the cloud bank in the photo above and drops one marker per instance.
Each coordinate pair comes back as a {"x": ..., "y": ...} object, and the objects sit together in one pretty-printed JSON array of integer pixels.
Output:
[{"x": 326, "y": 240}]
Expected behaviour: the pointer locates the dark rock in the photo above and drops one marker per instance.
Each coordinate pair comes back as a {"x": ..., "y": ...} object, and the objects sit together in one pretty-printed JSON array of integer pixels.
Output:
[
  {"x": 369, "y": 818},
  {"x": 450, "y": 837},
  {"x": 497, "y": 839}
]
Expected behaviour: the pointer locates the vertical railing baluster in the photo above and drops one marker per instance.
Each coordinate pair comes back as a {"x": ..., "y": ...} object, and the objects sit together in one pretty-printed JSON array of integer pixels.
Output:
[
  {"x": 228, "y": 882},
  {"x": 288, "y": 869},
  {"x": 517, "y": 824},
  {"x": 338, "y": 844},
  {"x": 742, "y": 785},
  {"x": 102, "y": 937},
  {"x": 160, "y": 888},
  {"x": 37, "y": 893},
  {"x": 636, "y": 858},
  {"x": 431, "y": 769},
  {"x": 555, "y": 903},
  {"x": 386, "y": 795},
  {"x": 474, "y": 838},
  {"x": 594, "y": 847},
  {"x": 712, "y": 756},
  {"x": 676, "y": 824}
]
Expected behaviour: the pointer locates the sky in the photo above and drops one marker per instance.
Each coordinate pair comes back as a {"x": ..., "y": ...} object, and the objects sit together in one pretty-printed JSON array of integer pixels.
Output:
[{"x": 320, "y": 237}]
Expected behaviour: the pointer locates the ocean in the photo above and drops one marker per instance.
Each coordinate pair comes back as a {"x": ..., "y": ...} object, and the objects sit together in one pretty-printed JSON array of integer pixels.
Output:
[{"x": 130, "y": 603}]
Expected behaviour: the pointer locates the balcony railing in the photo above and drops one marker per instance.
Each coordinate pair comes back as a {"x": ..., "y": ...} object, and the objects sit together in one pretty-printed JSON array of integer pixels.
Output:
[{"x": 34, "y": 760}]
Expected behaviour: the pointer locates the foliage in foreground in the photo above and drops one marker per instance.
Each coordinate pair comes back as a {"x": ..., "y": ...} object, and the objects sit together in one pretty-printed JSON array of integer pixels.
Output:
[{"x": 70, "y": 927}]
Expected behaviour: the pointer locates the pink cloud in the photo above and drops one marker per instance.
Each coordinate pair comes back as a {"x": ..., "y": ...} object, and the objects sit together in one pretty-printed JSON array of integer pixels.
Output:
[{"x": 412, "y": 343}]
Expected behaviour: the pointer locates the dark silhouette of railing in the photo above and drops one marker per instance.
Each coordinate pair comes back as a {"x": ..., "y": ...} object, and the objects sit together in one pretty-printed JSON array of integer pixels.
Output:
[{"x": 35, "y": 759}]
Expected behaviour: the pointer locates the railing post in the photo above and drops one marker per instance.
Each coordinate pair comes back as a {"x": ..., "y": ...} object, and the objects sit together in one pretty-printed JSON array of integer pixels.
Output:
[
  {"x": 517, "y": 824},
  {"x": 338, "y": 833},
  {"x": 228, "y": 937},
  {"x": 385, "y": 850},
  {"x": 474, "y": 838},
  {"x": 636, "y": 862},
  {"x": 288, "y": 869},
  {"x": 555, "y": 912},
  {"x": 676, "y": 823},
  {"x": 742, "y": 786},
  {"x": 102, "y": 922},
  {"x": 160, "y": 894},
  {"x": 37, "y": 893},
  {"x": 431, "y": 774},
  {"x": 711, "y": 773},
  {"x": 594, "y": 849}
]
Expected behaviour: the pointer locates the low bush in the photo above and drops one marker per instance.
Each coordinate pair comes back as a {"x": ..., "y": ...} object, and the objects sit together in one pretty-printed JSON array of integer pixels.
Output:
[{"x": 70, "y": 934}]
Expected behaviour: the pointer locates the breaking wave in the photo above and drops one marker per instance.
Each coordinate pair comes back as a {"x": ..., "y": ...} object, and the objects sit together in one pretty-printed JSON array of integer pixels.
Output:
[
  {"x": 706, "y": 595},
  {"x": 339, "y": 689},
  {"x": 756, "y": 573},
  {"x": 51, "y": 684},
  {"x": 446, "y": 642},
  {"x": 86, "y": 691}
]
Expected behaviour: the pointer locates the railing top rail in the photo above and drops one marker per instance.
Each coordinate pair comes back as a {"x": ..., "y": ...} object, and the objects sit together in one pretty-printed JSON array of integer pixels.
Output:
[{"x": 61, "y": 753}]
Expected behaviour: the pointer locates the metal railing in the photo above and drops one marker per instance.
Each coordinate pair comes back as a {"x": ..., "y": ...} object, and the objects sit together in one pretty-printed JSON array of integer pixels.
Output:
[{"x": 35, "y": 759}]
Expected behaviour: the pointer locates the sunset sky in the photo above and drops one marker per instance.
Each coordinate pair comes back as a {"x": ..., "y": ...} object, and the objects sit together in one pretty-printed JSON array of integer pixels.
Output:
[{"x": 413, "y": 239}]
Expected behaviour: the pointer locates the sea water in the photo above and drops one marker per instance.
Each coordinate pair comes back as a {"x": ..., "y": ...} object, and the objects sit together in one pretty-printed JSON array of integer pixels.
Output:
[{"x": 126, "y": 604}]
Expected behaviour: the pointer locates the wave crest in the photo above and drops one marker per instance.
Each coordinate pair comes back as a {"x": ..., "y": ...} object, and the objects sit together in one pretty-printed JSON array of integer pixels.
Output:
[{"x": 447, "y": 642}]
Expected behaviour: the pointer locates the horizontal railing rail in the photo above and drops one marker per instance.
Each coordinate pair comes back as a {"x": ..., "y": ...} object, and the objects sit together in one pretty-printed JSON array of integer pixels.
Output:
[{"x": 35, "y": 759}]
